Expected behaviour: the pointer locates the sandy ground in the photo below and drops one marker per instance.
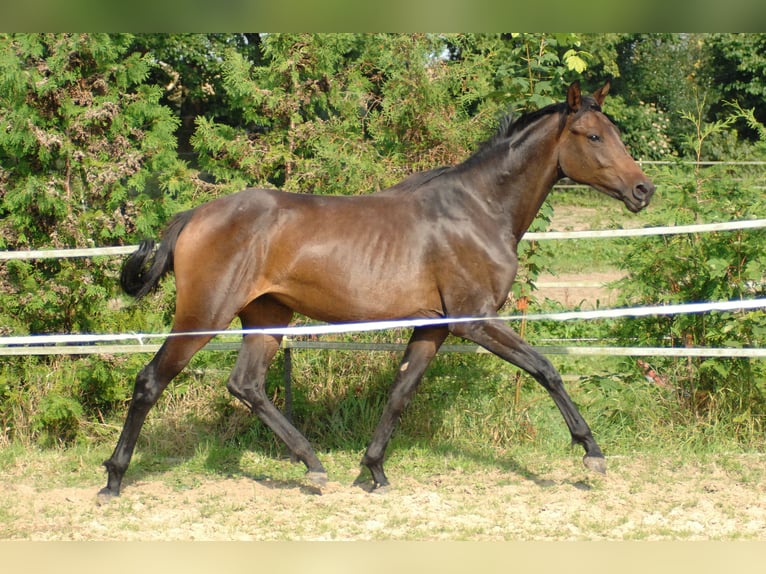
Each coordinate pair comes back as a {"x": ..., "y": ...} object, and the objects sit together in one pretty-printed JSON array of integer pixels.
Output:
[
  {"x": 578, "y": 291},
  {"x": 639, "y": 499}
]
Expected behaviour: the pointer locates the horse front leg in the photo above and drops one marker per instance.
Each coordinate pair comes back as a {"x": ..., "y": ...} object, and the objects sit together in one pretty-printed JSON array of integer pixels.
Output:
[
  {"x": 504, "y": 342},
  {"x": 422, "y": 347}
]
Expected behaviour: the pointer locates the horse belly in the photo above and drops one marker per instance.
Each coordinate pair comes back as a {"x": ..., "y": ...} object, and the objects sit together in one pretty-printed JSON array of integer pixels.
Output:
[
  {"x": 360, "y": 276},
  {"x": 332, "y": 259},
  {"x": 334, "y": 294}
]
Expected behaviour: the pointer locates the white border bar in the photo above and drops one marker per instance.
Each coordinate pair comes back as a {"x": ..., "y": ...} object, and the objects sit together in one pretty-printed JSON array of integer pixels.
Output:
[
  {"x": 645, "y": 231},
  {"x": 68, "y": 253},
  {"x": 398, "y": 347}
]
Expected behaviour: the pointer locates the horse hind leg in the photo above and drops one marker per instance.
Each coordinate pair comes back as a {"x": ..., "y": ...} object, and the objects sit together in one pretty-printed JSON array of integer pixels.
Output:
[
  {"x": 248, "y": 381},
  {"x": 172, "y": 357}
]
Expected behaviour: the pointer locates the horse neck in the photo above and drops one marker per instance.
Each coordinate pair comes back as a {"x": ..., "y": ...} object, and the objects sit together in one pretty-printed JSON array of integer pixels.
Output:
[
  {"x": 517, "y": 178},
  {"x": 528, "y": 195}
]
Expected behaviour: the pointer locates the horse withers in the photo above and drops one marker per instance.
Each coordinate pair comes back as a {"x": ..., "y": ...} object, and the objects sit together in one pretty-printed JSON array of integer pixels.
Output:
[{"x": 440, "y": 244}]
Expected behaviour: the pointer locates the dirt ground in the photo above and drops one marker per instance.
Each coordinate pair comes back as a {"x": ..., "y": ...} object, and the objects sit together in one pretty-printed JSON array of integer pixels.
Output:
[
  {"x": 578, "y": 291},
  {"x": 641, "y": 498}
]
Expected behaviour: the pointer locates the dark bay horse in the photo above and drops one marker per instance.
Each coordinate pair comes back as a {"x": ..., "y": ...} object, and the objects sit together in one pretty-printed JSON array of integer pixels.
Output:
[{"x": 441, "y": 243}]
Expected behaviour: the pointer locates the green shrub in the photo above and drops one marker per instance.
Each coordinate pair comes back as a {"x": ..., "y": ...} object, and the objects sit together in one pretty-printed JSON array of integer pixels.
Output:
[
  {"x": 58, "y": 419},
  {"x": 718, "y": 266}
]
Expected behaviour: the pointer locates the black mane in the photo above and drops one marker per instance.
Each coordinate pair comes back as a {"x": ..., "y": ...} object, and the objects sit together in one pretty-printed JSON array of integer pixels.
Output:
[{"x": 508, "y": 127}]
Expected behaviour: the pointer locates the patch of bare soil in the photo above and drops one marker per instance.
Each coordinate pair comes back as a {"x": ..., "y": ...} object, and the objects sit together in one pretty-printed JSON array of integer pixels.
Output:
[
  {"x": 640, "y": 498},
  {"x": 587, "y": 291}
]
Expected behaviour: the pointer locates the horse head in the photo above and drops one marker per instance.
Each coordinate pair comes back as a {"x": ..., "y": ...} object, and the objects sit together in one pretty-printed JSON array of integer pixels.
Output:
[{"x": 591, "y": 151}]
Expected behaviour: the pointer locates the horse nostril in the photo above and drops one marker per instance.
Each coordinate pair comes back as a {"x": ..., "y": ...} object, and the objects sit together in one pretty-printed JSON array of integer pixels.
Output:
[{"x": 643, "y": 191}]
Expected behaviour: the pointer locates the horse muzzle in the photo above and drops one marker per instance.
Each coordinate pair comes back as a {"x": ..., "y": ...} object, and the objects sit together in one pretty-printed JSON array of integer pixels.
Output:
[{"x": 640, "y": 196}]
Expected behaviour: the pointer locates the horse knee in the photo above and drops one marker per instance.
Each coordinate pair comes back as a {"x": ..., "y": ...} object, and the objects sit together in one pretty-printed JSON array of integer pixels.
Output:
[
  {"x": 250, "y": 395},
  {"x": 547, "y": 375}
]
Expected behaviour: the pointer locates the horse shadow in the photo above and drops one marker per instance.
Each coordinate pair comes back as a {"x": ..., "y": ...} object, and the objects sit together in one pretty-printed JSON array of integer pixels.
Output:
[
  {"x": 153, "y": 464},
  {"x": 232, "y": 433}
]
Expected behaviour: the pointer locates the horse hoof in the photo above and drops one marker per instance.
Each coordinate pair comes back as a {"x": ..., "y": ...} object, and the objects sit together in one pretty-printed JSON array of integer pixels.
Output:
[
  {"x": 595, "y": 463},
  {"x": 381, "y": 489},
  {"x": 316, "y": 477},
  {"x": 105, "y": 496}
]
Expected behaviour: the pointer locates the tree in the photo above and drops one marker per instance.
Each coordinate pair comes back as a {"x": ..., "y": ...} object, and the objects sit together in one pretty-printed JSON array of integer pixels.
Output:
[
  {"x": 189, "y": 69},
  {"x": 736, "y": 65},
  {"x": 350, "y": 113},
  {"x": 87, "y": 157},
  {"x": 657, "y": 82},
  {"x": 332, "y": 113}
]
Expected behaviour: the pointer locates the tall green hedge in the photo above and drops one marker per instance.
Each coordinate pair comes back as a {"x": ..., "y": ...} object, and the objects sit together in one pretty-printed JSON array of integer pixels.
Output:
[{"x": 104, "y": 136}]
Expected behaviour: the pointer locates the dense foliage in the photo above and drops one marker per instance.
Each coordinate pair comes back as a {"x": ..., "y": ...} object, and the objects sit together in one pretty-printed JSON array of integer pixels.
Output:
[
  {"x": 103, "y": 136},
  {"x": 724, "y": 266}
]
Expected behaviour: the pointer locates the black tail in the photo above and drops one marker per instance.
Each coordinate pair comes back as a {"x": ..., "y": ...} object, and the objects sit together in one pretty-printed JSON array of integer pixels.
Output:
[{"x": 143, "y": 269}]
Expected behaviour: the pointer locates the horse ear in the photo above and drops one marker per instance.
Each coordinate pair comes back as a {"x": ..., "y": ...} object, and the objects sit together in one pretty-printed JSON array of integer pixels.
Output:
[
  {"x": 600, "y": 95},
  {"x": 573, "y": 96}
]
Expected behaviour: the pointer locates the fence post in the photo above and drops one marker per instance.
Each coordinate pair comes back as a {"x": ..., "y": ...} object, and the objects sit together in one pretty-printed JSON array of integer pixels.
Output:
[{"x": 288, "y": 376}]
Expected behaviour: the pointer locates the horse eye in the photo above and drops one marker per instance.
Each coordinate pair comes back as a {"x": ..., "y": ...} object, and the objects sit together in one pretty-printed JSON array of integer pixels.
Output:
[{"x": 594, "y": 138}]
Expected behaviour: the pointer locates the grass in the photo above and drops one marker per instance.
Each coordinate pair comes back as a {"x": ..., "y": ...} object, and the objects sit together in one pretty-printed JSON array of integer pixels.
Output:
[
  {"x": 474, "y": 421},
  {"x": 75, "y": 466},
  {"x": 444, "y": 488},
  {"x": 464, "y": 414}
]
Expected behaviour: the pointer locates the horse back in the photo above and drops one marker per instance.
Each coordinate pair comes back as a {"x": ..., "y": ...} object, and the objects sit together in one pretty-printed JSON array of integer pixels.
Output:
[{"x": 342, "y": 258}]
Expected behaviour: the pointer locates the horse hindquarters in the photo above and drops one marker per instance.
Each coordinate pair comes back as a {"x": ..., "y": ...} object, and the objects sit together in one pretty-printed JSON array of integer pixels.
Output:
[{"x": 200, "y": 306}]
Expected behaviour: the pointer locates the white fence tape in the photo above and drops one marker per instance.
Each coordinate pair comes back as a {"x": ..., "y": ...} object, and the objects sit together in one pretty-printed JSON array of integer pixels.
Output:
[
  {"x": 68, "y": 253},
  {"x": 645, "y": 231},
  {"x": 529, "y": 236},
  {"x": 86, "y": 343},
  {"x": 327, "y": 329},
  {"x": 398, "y": 347}
]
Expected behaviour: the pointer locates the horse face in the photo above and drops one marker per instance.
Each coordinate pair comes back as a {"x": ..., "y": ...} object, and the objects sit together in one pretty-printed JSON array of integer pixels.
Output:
[{"x": 591, "y": 152}]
